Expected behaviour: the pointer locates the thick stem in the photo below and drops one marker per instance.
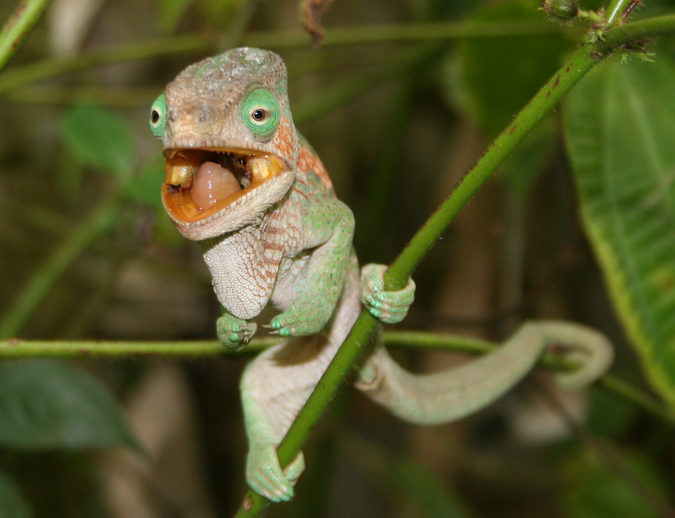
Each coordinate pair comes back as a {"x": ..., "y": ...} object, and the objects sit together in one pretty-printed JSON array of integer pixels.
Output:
[
  {"x": 18, "y": 26},
  {"x": 581, "y": 61}
]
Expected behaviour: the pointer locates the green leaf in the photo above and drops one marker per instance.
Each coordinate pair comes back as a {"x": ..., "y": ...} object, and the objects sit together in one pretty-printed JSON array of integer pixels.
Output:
[
  {"x": 497, "y": 76},
  {"x": 619, "y": 123},
  {"x": 596, "y": 490},
  {"x": 146, "y": 188},
  {"x": 12, "y": 504},
  {"x": 49, "y": 404},
  {"x": 100, "y": 139}
]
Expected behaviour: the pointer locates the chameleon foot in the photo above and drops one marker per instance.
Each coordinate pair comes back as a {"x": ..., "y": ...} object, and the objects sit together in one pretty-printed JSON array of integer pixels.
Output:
[
  {"x": 265, "y": 476},
  {"x": 234, "y": 333},
  {"x": 304, "y": 317},
  {"x": 388, "y": 306}
]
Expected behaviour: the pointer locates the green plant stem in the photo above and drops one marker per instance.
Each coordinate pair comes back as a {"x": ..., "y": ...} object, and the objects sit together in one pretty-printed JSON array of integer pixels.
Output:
[
  {"x": 581, "y": 61},
  {"x": 614, "y": 11},
  {"x": 44, "y": 69},
  {"x": 118, "y": 97},
  {"x": 18, "y": 26},
  {"x": 16, "y": 349},
  {"x": 40, "y": 283},
  {"x": 440, "y": 31}
]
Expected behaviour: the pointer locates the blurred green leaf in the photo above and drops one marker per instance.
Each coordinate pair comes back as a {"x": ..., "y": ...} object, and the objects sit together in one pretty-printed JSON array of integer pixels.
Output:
[
  {"x": 619, "y": 123},
  {"x": 170, "y": 13},
  {"x": 147, "y": 186},
  {"x": 100, "y": 139},
  {"x": 50, "y": 404},
  {"x": 495, "y": 77},
  {"x": 609, "y": 416},
  {"x": 597, "y": 490},
  {"x": 215, "y": 13},
  {"x": 12, "y": 504}
]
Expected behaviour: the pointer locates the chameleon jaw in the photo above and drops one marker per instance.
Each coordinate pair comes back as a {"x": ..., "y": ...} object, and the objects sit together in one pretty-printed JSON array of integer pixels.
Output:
[{"x": 200, "y": 183}]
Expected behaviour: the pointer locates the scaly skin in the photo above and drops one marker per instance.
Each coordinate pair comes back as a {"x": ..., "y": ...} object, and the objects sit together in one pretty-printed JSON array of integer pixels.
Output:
[{"x": 286, "y": 239}]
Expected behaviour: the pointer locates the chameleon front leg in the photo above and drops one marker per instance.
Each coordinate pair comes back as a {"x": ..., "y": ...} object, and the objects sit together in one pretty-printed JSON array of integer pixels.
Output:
[
  {"x": 329, "y": 230},
  {"x": 448, "y": 395},
  {"x": 389, "y": 307}
]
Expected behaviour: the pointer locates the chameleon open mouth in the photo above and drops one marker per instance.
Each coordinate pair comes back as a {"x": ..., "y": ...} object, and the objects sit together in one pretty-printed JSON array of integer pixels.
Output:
[{"x": 200, "y": 182}]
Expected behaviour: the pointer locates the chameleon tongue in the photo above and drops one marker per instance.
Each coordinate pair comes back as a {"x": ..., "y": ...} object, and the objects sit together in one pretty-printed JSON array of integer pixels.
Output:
[{"x": 211, "y": 184}]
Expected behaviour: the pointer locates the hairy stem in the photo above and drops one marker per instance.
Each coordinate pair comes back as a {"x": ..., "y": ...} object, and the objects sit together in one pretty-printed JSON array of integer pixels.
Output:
[
  {"x": 581, "y": 61},
  {"x": 18, "y": 26},
  {"x": 615, "y": 10}
]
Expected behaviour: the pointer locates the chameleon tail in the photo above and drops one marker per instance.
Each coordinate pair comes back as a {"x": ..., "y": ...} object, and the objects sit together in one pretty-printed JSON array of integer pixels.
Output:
[{"x": 449, "y": 395}]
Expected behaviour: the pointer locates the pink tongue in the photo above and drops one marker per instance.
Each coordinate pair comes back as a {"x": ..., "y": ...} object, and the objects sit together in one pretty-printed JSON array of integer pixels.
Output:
[{"x": 212, "y": 183}]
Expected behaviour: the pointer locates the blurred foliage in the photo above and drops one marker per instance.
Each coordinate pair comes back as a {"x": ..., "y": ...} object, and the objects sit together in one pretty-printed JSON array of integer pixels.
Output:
[
  {"x": 46, "y": 405},
  {"x": 100, "y": 139},
  {"x": 598, "y": 490},
  {"x": 87, "y": 251},
  {"x": 11, "y": 502}
]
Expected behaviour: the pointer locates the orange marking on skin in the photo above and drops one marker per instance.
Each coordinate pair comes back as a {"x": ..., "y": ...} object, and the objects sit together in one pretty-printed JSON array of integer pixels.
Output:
[
  {"x": 285, "y": 139},
  {"x": 301, "y": 193},
  {"x": 308, "y": 161},
  {"x": 273, "y": 246}
]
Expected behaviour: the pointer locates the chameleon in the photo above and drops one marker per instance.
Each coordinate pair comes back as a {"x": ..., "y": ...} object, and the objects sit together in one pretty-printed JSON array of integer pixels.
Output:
[{"x": 242, "y": 182}]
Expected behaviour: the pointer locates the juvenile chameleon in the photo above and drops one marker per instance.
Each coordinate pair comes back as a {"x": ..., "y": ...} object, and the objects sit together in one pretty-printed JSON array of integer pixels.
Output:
[{"x": 246, "y": 185}]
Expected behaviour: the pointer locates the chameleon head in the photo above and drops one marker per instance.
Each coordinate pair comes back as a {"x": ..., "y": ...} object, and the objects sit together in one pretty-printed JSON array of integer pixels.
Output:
[{"x": 229, "y": 141}]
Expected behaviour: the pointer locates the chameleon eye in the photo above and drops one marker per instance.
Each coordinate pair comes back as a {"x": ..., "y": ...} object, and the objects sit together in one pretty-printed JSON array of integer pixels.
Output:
[
  {"x": 158, "y": 116},
  {"x": 260, "y": 113}
]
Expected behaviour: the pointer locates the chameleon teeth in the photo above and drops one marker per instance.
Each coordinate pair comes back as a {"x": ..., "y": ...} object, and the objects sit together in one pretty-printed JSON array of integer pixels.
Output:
[
  {"x": 262, "y": 167},
  {"x": 180, "y": 170}
]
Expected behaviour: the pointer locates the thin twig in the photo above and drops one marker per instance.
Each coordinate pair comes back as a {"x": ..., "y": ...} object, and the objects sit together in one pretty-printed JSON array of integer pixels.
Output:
[{"x": 18, "y": 26}]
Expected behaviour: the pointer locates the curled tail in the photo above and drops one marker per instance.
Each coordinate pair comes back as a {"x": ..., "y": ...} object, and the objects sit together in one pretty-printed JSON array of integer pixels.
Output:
[{"x": 448, "y": 395}]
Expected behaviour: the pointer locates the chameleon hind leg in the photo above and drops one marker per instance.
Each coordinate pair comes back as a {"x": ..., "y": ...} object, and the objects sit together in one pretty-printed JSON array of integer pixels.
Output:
[
  {"x": 449, "y": 395},
  {"x": 275, "y": 386}
]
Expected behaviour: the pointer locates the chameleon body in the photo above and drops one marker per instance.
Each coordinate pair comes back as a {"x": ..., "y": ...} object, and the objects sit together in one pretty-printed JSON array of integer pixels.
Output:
[{"x": 244, "y": 183}]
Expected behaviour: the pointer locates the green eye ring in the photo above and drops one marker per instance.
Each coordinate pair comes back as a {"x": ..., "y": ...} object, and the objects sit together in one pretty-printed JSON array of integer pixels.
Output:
[
  {"x": 158, "y": 116},
  {"x": 260, "y": 113}
]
